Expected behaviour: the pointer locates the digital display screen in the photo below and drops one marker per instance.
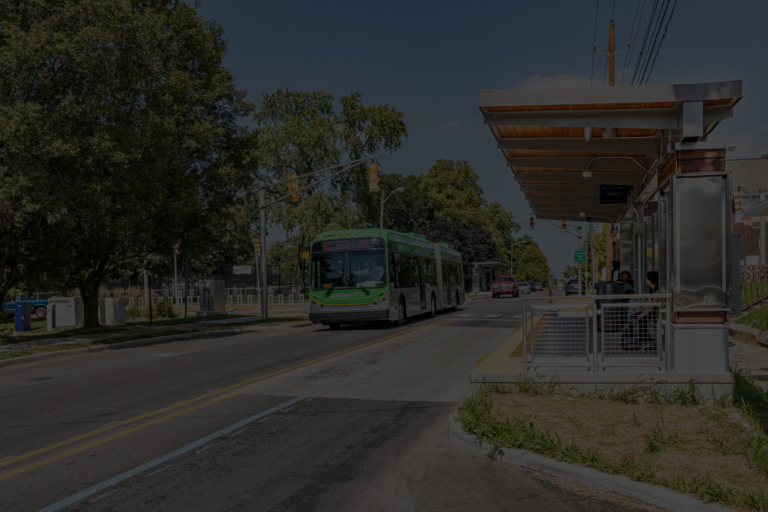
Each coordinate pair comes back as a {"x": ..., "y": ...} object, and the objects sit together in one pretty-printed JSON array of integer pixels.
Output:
[
  {"x": 349, "y": 244},
  {"x": 614, "y": 194}
]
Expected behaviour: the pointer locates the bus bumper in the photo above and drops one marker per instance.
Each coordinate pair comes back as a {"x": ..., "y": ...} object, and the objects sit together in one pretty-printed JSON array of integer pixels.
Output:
[{"x": 343, "y": 317}]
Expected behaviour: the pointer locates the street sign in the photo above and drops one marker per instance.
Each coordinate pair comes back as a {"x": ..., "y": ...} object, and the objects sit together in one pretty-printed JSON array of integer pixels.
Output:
[
  {"x": 275, "y": 270},
  {"x": 241, "y": 269},
  {"x": 305, "y": 255},
  {"x": 580, "y": 256}
]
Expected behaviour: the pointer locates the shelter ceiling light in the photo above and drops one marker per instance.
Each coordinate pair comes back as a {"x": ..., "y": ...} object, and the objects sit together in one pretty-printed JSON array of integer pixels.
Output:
[
  {"x": 587, "y": 133},
  {"x": 587, "y": 174}
]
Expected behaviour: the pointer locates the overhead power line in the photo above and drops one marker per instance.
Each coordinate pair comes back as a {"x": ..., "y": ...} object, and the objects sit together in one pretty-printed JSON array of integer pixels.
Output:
[
  {"x": 662, "y": 41},
  {"x": 640, "y": 56},
  {"x": 628, "y": 55},
  {"x": 657, "y": 31},
  {"x": 594, "y": 44}
]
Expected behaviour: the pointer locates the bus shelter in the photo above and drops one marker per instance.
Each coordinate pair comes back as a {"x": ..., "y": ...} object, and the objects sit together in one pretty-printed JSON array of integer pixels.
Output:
[{"x": 643, "y": 160}]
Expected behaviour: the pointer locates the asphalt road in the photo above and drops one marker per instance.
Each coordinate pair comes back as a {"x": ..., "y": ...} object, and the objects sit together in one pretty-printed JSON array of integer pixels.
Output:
[{"x": 282, "y": 419}]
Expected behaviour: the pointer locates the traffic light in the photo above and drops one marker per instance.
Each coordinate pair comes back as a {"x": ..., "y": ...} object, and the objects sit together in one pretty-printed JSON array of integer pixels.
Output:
[
  {"x": 257, "y": 246},
  {"x": 565, "y": 226},
  {"x": 530, "y": 223},
  {"x": 294, "y": 184},
  {"x": 373, "y": 178}
]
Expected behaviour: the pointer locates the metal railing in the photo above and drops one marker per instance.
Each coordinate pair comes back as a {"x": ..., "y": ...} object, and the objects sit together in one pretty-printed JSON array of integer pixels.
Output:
[
  {"x": 596, "y": 333},
  {"x": 754, "y": 284}
]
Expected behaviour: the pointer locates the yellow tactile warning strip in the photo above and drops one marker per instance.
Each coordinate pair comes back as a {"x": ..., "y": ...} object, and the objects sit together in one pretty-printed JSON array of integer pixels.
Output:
[{"x": 508, "y": 358}]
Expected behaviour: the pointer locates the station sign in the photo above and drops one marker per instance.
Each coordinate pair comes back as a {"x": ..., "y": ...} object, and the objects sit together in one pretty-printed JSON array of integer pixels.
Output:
[
  {"x": 580, "y": 256},
  {"x": 241, "y": 269}
]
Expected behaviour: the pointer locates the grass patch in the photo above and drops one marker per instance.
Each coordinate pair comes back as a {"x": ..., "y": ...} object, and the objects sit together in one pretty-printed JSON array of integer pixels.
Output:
[
  {"x": 39, "y": 326},
  {"x": 9, "y": 354},
  {"x": 652, "y": 434},
  {"x": 757, "y": 318}
]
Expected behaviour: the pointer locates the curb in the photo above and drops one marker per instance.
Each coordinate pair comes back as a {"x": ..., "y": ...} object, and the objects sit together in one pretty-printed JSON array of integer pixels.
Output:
[
  {"x": 658, "y": 496},
  {"x": 761, "y": 337},
  {"x": 15, "y": 361}
]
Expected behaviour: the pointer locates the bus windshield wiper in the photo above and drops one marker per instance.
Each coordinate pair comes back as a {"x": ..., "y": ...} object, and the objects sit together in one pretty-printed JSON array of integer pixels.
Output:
[
  {"x": 352, "y": 278},
  {"x": 338, "y": 279}
]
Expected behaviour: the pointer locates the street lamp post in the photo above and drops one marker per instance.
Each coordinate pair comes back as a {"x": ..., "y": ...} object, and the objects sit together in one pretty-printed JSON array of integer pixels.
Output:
[{"x": 383, "y": 200}]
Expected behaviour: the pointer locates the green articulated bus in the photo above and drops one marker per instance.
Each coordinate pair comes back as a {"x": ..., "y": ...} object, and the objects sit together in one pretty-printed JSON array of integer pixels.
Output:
[{"x": 362, "y": 275}]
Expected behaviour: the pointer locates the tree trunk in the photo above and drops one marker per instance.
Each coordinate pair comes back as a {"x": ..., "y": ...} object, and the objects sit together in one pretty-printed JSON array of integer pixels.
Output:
[
  {"x": 89, "y": 291},
  {"x": 135, "y": 278},
  {"x": 299, "y": 283}
]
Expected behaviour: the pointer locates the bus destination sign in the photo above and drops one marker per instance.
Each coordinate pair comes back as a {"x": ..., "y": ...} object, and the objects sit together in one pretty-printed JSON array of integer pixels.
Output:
[{"x": 351, "y": 243}]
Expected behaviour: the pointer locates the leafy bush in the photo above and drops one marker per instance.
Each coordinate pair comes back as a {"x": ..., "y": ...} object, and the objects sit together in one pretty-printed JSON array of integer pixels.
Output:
[{"x": 163, "y": 309}]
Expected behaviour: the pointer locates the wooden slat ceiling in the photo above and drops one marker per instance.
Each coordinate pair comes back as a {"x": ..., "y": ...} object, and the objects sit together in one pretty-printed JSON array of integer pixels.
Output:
[
  {"x": 522, "y": 132},
  {"x": 659, "y": 98},
  {"x": 598, "y": 106}
]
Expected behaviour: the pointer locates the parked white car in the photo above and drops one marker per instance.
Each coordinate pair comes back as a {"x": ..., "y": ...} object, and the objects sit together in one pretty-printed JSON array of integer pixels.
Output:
[{"x": 523, "y": 287}]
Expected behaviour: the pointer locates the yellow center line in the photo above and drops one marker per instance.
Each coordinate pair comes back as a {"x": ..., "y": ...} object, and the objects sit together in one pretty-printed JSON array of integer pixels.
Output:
[{"x": 278, "y": 375}]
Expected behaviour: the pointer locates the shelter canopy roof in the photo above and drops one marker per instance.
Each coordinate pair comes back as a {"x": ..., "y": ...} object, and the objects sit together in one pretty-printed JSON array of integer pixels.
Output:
[{"x": 621, "y": 135}]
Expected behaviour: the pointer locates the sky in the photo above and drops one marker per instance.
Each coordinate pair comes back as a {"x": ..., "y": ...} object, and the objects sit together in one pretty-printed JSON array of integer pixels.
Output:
[{"x": 430, "y": 60}]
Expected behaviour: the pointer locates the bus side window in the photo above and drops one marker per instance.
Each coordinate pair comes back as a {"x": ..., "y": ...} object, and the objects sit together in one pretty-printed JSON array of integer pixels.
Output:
[
  {"x": 404, "y": 272},
  {"x": 392, "y": 272}
]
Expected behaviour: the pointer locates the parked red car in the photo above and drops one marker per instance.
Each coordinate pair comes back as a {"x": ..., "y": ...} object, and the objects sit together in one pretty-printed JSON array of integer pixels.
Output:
[{"x": 504, "y": 285}]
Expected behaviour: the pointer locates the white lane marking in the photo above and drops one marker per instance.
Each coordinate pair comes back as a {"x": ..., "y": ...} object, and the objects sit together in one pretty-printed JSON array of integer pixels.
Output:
[
  {"x": 308, "y": 399},
  {"x": 108, "y": 424},
  {"x": 169, "y": 354},
  {"x": 238, "y": 432},
  {"x": 262, "y": 421},
  {"x": 94, "y": 500},
  {"x": 6, "y": 458},
  {"x": 288, "y": 409},
  {"x": 491, "y": 316},
  {"x": 159, "y": 470},
  {"x": 198, "y": 451},
  {"x": 466, "y": 314}
]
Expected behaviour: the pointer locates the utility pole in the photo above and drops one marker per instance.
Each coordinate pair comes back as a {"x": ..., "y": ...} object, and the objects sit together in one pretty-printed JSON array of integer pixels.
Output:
[
  {"x": 263, "y": 240},
  {"x": 612, "y": 54},
  {"x": 762, "y": 230},
  {"x": 512, "y": 258}
]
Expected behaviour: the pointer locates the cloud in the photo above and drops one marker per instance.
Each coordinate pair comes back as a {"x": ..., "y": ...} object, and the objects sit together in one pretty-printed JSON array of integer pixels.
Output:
[
  {"x": 750, "y": 144},
  {"x": 561, "y": 81},
  {"x": 452, "y": 125}
]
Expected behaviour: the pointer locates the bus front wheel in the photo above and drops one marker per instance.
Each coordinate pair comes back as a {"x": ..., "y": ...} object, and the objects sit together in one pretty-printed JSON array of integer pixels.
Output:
[
  {"x": 433, "y": 309},
  {"x": 400, "y": 314}
]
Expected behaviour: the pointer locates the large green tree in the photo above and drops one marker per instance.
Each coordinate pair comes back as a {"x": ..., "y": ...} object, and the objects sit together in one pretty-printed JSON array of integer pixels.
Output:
[
  {"x": 126, "y": 121},
  {"x": 302, "y": 132},
  {"x": 533, "y": 265}
]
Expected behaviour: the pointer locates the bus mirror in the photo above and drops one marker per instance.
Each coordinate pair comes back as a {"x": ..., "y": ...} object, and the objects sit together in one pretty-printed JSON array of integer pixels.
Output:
[
  {"x": 397, "y": 260},
  {"x": 302, "y": 264}
]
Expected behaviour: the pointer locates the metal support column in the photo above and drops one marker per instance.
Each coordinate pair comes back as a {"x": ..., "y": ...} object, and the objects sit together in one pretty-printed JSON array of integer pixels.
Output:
[{"x": 263, "y": 244}]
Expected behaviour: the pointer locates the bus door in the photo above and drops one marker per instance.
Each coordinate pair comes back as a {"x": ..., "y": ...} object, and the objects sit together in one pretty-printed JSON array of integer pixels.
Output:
[{"x": 422, "y": 283}]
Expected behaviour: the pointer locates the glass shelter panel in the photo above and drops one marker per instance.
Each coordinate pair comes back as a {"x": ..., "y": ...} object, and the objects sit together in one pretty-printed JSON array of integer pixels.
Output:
[{"x": 701, "y": 220}]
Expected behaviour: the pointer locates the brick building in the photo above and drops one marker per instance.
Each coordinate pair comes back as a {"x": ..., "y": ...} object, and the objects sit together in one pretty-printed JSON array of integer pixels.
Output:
[{"x": 752, "y": 173}]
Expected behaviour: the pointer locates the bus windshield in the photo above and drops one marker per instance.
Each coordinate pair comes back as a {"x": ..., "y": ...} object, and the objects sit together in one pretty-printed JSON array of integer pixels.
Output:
[{"x": 348, "y": 269}]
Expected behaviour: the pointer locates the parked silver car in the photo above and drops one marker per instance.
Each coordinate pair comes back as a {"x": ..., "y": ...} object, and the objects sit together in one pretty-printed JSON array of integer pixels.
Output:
[{"x": 523, "y": 288}]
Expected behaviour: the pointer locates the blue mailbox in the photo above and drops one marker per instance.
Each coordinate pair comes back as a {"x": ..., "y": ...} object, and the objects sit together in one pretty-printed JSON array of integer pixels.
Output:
[{"x": 23, "y": 317}]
